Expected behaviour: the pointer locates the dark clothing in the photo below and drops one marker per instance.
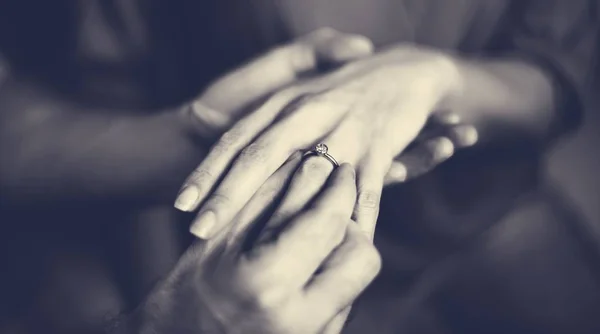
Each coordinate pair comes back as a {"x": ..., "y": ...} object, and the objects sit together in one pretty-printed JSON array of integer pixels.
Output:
[
  {"x": 156, "y": 53},
  {"x": 171, "y": 49}
]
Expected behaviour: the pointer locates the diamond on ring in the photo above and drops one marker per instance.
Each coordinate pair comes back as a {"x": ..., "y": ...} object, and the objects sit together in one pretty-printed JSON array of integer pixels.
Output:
[{"x": 322, "y": 150}]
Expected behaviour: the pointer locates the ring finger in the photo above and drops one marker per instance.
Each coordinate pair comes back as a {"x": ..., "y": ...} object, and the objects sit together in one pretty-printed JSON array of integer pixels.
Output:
[{"x": 307, "y": 182}]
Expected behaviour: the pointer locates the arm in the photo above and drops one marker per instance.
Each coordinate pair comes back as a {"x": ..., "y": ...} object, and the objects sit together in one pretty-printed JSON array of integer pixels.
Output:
[
  {"x": 501, "y": 94},
  {"x": 50, "y": 148},
  {"x": 536, "y": 74}
]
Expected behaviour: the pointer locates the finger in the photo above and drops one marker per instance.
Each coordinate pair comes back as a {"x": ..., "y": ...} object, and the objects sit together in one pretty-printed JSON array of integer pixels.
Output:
[
  {"x": 311, "y": 237},
  {"x": 461, "y": 135},
  {"x": 259, "y": 159},
  {"x": 340, "y": 49},
  {"x": 444, "y": 118},
  {"x": 266, "y": 197},
  {"x": 250, "y": 170},
  {"x": 313, "y": 174},
  {"x": 202, "y": 180},
  {"x": 336, "y": 325},
  {"x": 419, "y": 160},
  {"x": 282, "y": 66},
  {"x": 370, "y": 175},
  {"x": 449, "y": 124},
  {"x": 307, "y": 182},
  {"x": 413, "y": 116},
  {"x": 346, "y": 273}
]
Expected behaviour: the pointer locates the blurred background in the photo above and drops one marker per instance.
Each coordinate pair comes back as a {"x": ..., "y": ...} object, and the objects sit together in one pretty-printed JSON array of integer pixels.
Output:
[{"x": 575, "y": 162}]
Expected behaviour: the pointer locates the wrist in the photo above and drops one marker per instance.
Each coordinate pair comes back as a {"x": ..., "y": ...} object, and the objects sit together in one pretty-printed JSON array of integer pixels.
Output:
[{"x": 450, "y": 73}]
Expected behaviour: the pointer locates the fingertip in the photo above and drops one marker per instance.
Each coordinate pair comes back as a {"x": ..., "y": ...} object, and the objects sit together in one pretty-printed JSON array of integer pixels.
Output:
[
  {"x": 204, "y": 227},
  {"x": 187, "y": 199},
  {"x": 397, "y": 172},
  {"x": 442, "y": 148},
  {"x": 447, "y": 117},
  {"x": 466, "y": 135}
]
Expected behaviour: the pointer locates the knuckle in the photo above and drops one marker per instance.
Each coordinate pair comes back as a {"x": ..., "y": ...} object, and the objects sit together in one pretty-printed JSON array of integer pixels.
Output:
[
  {"x": 228, "y": 141},
  {"x": 220, "y": 200},
  {"x": 315, "y": 168},
  {"x": 230, "y": 137},
  {"x": 368, "y": 199},
  {"x": 253, "y": 153},
  {"x": 200, "y": 175}
]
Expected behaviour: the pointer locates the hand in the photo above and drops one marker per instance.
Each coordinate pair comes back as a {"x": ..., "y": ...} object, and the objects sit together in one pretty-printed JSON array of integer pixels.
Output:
[
  {"x": 444, "y": 133},
  {"x": 232, "y": 96},
  {"x": 368, "y": 112},
  {"x": 297, "y": 283}
]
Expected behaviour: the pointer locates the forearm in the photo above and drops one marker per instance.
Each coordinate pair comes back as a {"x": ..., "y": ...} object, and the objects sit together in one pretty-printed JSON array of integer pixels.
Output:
[
  {"x": 501, "y": 95},
  {"x": 50, "y": 149}
]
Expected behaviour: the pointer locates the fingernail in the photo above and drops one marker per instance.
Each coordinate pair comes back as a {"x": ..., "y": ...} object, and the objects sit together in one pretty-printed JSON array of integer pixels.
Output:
[
  {"x": 204, "y": 225},
  {"x": 187, "y": 199},
  {"x": 444, "y": 148}
]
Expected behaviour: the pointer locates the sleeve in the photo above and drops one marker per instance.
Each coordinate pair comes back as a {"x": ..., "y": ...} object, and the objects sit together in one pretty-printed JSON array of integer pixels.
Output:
[{"x": 560, "y": 36}]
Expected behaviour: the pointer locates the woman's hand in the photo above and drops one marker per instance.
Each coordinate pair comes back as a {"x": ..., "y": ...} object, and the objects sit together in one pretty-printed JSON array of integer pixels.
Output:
[
  {"x": 235, "y": 94},
  {"x": 57, "y": 153},
  {"x": 295, "y": 283},
  {"x": 366, "y": 113}
]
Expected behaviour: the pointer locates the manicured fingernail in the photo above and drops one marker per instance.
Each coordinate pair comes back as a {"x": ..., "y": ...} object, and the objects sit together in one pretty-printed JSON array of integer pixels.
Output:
[
  {"x": 187, "y": 200},
  {"x": 203, "y": 226}
]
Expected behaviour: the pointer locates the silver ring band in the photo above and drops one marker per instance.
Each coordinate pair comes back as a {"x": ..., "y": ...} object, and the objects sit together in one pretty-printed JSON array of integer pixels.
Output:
[{"x": 321, "y": 151}]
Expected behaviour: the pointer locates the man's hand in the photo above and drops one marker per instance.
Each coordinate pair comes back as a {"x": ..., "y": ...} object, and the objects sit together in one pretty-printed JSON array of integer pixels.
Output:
[
  {"x": 367, "y": 113},
  {"x": 319, "y": 262},
  {"x": 55, "y": 151},
  {"x": 232, "y": 96}
]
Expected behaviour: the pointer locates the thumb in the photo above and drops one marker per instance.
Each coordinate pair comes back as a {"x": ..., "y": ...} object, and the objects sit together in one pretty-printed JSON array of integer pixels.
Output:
[
  {"x": 281, "y": 67},
  {"x": 333, "y": 48}
]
